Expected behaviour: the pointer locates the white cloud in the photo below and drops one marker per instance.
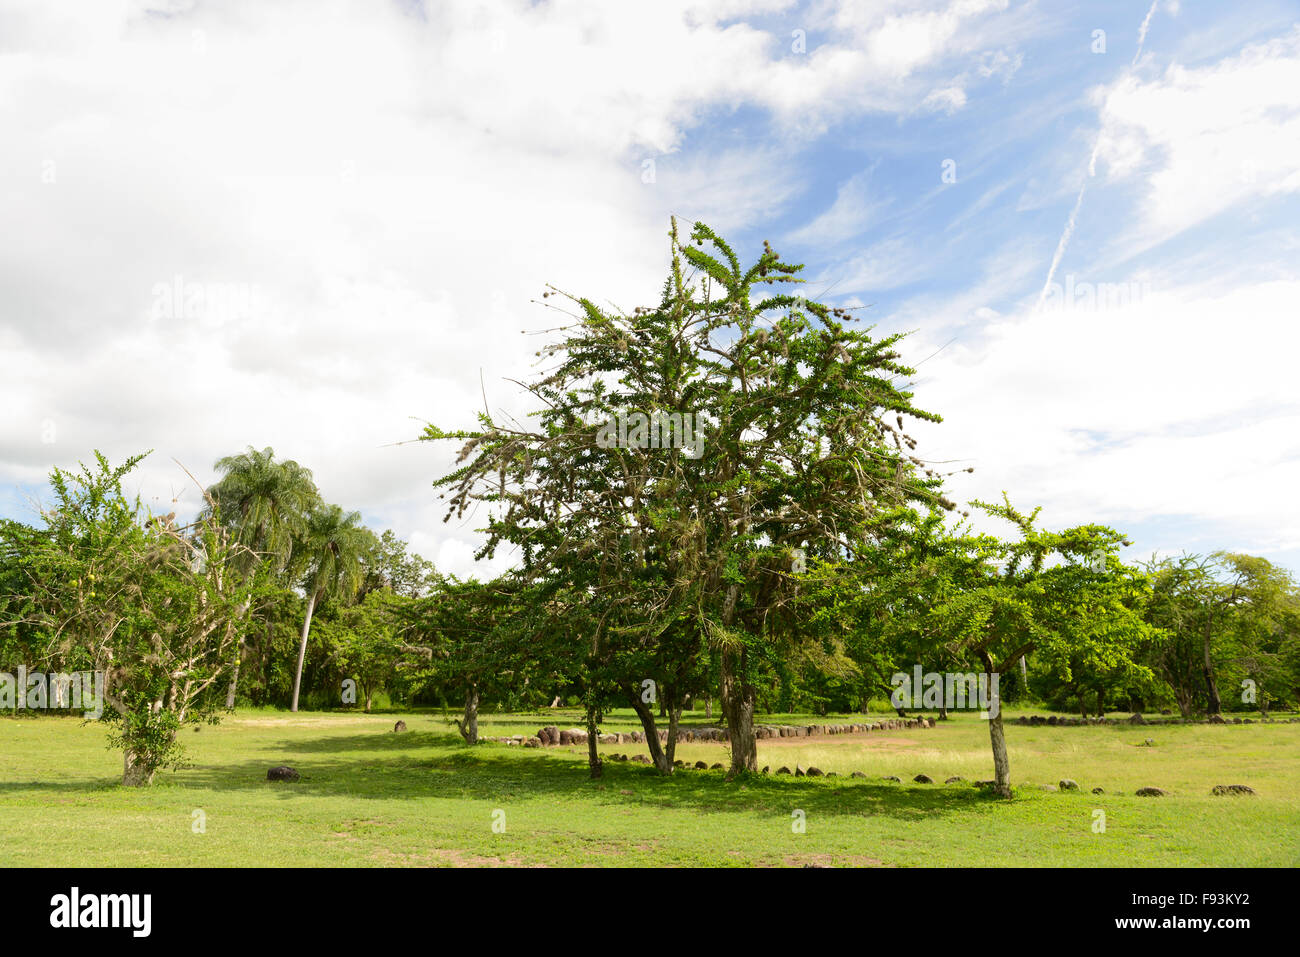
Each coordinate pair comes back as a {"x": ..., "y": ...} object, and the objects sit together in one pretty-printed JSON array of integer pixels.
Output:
[
  {"x": 397, "y": 182},
  {"x": 948, "y": 100},
  {"x": 849, "y": 215},
  {"x": 1205, "y": 140},
  {"x": 1153, "y": 410}
]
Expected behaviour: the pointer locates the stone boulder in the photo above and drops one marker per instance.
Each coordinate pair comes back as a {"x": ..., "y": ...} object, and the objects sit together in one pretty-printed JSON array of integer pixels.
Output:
[
  {"x": 1151, "y": 792},
  {"x": 1222, "y": 790},
  {"x": 400, "y": 726},
  {"x": 1069, "y": 784},
  {"x": 923, "y": 779},
  {"x": 814, "y": 772},
  {"x": 282, "y": 773}
]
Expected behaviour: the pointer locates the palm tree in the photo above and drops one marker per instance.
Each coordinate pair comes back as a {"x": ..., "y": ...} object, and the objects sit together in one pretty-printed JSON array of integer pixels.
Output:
[
  {"x": 265, "y": 503},
  {"x": 332, "y": 554}
]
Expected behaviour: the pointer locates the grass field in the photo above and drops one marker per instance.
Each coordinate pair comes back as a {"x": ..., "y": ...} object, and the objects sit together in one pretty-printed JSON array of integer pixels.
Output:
[{"x": 369, "y": 797}]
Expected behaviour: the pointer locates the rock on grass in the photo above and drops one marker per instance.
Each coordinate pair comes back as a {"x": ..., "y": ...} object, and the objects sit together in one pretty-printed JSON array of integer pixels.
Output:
[{"x": 1243, "y": 790}]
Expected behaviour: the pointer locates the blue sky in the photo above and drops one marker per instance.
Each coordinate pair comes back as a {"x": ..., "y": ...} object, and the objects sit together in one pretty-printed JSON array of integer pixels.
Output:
[{"x": 369, "y": 198}]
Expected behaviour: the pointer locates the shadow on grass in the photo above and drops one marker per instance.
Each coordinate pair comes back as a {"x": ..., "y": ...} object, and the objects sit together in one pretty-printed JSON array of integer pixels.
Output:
[{"x": 421, "y": 766}]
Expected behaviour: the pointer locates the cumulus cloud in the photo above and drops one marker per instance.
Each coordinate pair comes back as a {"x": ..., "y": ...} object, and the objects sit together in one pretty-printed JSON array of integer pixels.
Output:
[
  {"x": 1200, "y": 141},
  {"x": 359, "y": 203}
]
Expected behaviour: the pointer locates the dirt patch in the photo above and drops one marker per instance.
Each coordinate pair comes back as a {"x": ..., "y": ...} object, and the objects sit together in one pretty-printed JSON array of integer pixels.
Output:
[
  {"x": 444, "y": 857},
  {"x": 830, "y": 860},
  {"x": 302, "y": 722}
]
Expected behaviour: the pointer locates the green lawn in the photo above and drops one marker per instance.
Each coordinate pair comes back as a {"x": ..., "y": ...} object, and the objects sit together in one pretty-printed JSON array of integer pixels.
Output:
[{"x": 369, "y": 797}]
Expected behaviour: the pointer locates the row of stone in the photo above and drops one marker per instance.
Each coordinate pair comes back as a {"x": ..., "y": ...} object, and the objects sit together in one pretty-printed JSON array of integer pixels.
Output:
[
  {"x": 568, "y": 736},
  {"x": 1067, "y": 784},
  {"x": 1065, "y": 721},
  {"x": 551, "y": 735},
  {"x": 806, "y": 731}
]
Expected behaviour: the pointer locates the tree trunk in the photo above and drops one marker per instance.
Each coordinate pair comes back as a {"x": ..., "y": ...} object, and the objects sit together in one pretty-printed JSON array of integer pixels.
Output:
[
  {"x": 593, "y": 752},
  {"x": 997, "y": 737},
  {"x": 1213, "y": 704},
  {"x": 267, "y": 651},
  {"x": 234, "y": 676},
  {"x": 134, "y": 773},
  {"x": 663, "y": 764},
  {"x": 1001, "y": 765},
  {"x": 708, "y": 707},
  {"x": 674, "y": 720},
  {"x": 469, "y": 727},
  {"x": 1083, "y": 706},
  {"x": 302, "y": 649},
  {"x": 738, "y": 699},
  {"x": 943, "y": 712}
]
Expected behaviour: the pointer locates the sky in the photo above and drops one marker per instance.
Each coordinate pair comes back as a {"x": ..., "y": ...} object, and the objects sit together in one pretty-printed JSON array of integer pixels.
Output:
[{"x": 317, "y": 225}]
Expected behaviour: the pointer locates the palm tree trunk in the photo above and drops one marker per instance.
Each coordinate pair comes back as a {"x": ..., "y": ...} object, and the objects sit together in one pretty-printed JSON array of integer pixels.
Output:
[
  {"x": 302, "y": 649},
  {"x": 234, "y": 677}
]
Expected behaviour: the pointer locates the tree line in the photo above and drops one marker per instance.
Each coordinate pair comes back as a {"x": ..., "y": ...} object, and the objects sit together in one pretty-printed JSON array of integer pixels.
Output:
[{"x": 793, "y": 556}]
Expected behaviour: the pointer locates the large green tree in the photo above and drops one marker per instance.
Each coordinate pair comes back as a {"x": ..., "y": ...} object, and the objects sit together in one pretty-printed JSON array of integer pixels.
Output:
[
  {"x": 684, "y": 453},
  {"x": 1223, "y": 613},
  {"x": 153, "y": 607},
  {"x": 1062, "y": 596}
]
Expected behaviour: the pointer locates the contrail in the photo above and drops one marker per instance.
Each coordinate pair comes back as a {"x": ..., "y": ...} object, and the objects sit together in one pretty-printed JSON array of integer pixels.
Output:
[
  {"x": 1069, "y": 225},
  {"x": 1092, "y": 170},
  {"x": 1142, "y": 32}
]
